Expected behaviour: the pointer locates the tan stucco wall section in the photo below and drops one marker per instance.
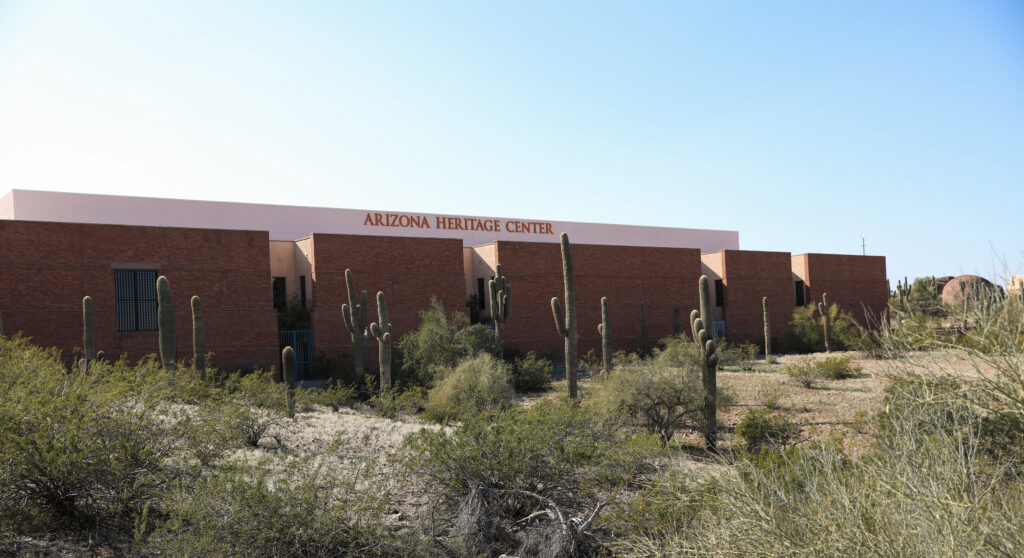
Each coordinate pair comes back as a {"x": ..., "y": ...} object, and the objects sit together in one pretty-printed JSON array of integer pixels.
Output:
[{"x": 483, "y": 263}]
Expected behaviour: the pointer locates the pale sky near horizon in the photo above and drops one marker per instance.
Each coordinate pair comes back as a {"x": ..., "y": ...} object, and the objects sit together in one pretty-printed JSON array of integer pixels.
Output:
[{"x": 800, "y": 124}]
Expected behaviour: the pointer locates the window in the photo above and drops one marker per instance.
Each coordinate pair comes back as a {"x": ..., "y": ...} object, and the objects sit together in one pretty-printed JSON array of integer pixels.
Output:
[
  {"x": 799, "y": 288},
  {"x": 481, "y": 294},
  {"x": 135, "y": 295},
  {"x": 302, "y": 290},
  {"x": 719, "y": 293},
  {"x": 280, "y": 294}
]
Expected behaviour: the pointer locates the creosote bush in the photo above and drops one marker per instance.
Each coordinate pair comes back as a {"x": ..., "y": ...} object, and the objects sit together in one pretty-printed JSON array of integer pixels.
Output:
[
  {"x": 531, "y": 373},
  {"x": 478, "y": 384},
  {"x": 761, "y": 428},
  {"x": 558, "y": 449},
  {"x": 246, "y": 510},
  {"x": 439, "y": 344},
  {"x": 808, "y": 370}
]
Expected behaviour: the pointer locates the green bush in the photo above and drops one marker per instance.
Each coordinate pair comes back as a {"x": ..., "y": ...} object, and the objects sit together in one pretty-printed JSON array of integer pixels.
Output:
[
  {"x": 763, "y": 428},
  {"x": 78, "y": 449},
  {"x": 477, "y": 384},
  {"x": 557, "y": 449},
  {"x": 657, "y": 398},
  {"x": 439, "y": 344},
  {"x": 531, "y": 373},
  {"x": 742, "y": 356},
  {"x": 808, "y": 336},
  {"x": 808, "y": 370},
  {"x": 392, "y": 403},
  {"x": 245, "y": 510},
  {"x": 678, "y": 352},
  {"x": 923, "y": 488}
]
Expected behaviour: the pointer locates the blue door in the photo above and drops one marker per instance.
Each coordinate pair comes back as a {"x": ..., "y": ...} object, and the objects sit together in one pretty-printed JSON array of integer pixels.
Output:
[{"x": 301, "y": 341}]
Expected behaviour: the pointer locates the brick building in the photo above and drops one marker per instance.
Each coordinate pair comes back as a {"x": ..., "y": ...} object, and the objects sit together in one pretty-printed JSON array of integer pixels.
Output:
[{"x": 248, "y": 261}]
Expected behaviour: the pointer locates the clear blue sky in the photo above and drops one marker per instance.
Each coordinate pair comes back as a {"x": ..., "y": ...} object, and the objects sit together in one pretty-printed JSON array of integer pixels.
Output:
[{"x": 801, "y": 125}]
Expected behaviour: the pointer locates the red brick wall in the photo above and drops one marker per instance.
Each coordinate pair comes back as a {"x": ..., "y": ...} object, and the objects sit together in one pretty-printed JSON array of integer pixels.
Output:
[
  {"x": 749, "y": 276},
  {"x": 407, "y": 270},
  {"x": 662, "y": 277},
  {"x": 46, "y": 269},
  {"x": 855, "y": 283}
]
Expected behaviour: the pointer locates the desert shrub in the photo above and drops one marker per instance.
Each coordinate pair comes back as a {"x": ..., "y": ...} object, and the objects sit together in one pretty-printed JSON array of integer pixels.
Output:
[
  {"x": 763, "y": 428},
  {"x": 246, "y": 510},
  {"x": 439, "y": 343},
  {"x": 808, "y": 336},
  {"x": 916, "y": 492},
  {"x": 390, "y": 404},
  {"x": 557, "y": 449},
  {"x": 679, "y": 352},
  {"x": 808, "y": 370},
  {"x": 477, "y": 384},
  {"x": 770, "y": 395},
  {"x": 78, "y": 449},
  {"x": 531, "y": 373},
  {"x": 742, "y": 356},
  {"x": 257, "y": 389},
  {"x": 657, "y": 398},
  {"x": 335, "y": 394}
]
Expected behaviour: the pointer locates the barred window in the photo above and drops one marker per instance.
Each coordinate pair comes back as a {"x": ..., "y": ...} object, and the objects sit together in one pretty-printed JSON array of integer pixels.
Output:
[{"x": 135, "y": 293}]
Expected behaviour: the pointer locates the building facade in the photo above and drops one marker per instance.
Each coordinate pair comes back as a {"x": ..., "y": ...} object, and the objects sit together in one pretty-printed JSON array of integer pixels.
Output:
[{"x": 249, "y": 263}]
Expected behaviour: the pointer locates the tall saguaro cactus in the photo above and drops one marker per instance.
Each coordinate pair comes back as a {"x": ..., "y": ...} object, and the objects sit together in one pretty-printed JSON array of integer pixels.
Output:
[
  {"x": 165, "y": 323},
  {"x": 501, "y": 292},
  {"x": 606, "y": 337},
  {"x": 88, "y": 339},
  {"x": 288, "y": 373},
  {"x": 355, "y": 320},
  {"x": 709, "y": 360},
  {"x": 645, "y": 341},
  {"x": 767, "y": 329},
  {"x": 823, "y": 308},
  {"x": 566, "y": 324},
  {"x": 198, "y": 338},
  {"x": 383, "y": 334}
]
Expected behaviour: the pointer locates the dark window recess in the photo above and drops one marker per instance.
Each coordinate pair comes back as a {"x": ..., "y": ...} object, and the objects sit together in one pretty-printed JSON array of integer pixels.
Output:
[
  {"x": 135, "y": 296},
  {"x": 798, "y": 286},
  {"x": 481, "y": 293},
  {"x": 719, "y": 293},
  {"x": 302, "y": 290},
  {"x": 280, "y": 294}
]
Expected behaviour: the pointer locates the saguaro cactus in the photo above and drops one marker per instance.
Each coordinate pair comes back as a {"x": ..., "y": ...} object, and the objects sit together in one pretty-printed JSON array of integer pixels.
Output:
[
  {"x": 823, "y": 308},
  {"x": 705, "y": 305},
  {"x": 566, "y": 324},
  {"x": 288, "y": 373},
  {"x": 355, "y": 321},
  {"x": 606, "y": 337},
  {"x": 383, "y": 334},
  {"x": 767, "y": 329},
  {"x": 645, "y": 341},
  {"x": 709, "y": 360},
  {"x": 198, "y": 338},
  {"x": 88, "y": 340},
  {"x": 165, "y": 323},
  {"x": 501, "y": 292}
]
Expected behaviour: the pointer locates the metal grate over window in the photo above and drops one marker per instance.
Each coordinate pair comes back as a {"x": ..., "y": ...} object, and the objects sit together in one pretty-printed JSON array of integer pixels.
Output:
[{"x": 135, "y": 292}]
